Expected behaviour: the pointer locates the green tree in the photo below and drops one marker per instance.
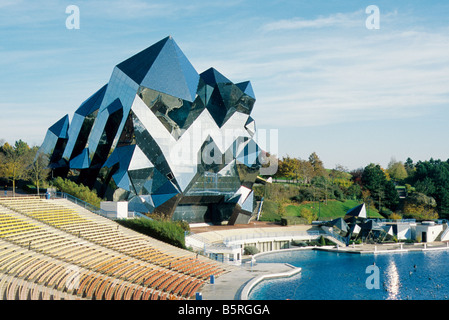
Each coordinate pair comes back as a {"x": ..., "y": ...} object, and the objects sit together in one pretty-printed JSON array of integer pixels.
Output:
[
  {"x": 38, "y": 170},
  {"x": 340, "y": 177},
  {"x": 281, "y": 208},
  {"x": 391, "y": 195},
  {"x": 317, "y": 164},
  {"x": 357, "y": 176},
  {"x": 383, "y": 191},
  {"x": 409, "y": 167},
  {"x": 354, "y": 191},
  {"x": 426, "y": 186},
  {"x": 397, "y": 171},
  {"x": 373, "y": 178},
  {"x": 15, "y": 161},
  {"x": 305, "y": 170},
  {"x": 432, "y": 178},
  {"x": 288, "y": 167}
]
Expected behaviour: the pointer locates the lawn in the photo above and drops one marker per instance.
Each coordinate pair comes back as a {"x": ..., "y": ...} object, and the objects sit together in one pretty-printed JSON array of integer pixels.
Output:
[
  {"x": 270, "y": 211},
  {"x": 333, "y": 209}
]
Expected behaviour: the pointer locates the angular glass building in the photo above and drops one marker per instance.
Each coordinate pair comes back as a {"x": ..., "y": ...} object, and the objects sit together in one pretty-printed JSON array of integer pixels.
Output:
[{"x": 164, "y": 138}]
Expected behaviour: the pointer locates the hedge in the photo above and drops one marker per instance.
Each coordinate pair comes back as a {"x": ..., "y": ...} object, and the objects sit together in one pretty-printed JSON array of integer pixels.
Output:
[
  {"x": 77, "y": 190},
  {"x": 167, "y": 231}
]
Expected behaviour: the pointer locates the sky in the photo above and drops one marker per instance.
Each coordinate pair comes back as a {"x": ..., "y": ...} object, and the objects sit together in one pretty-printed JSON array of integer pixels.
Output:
[{"x": 330, "y": 77}]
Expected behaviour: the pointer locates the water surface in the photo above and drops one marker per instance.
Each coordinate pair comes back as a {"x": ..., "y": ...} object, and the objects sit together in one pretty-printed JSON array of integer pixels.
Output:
[{"x": 343, "y": 276}]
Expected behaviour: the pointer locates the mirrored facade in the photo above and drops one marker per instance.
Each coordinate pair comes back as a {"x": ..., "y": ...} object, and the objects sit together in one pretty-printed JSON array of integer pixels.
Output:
[{"x": 164, "y": 138}]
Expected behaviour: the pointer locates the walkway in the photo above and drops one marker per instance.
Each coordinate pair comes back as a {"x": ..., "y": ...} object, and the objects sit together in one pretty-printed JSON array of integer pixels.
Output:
[
  {"x": 204, "y": 227},
  {"x": 221, "y": 234},
  {"x": 389, "y": 247},
  {"x": 230, "y": 285}
]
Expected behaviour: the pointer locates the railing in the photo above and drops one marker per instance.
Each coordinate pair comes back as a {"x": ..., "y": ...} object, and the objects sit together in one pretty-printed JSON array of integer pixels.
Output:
[
  {"x": 228, "y": 240},
  {"x": 77, "y": 201},
  {"x": 198, "y": 238},
  {"x": 332, "y": 234},
  {"x": 397, "y": 220},
  {"x": 134, "y": 214},
  {"x": 107, "y": 214},
  {"x": 339, "y": 238},
  {"x": 443, "y": 233}
]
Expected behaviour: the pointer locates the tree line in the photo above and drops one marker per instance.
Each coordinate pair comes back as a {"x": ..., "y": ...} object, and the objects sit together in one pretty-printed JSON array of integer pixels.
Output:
[
  {"x": 431, "y": 180},
  {"x": 22, "y": 162},
  {"x": 424, "y": 185},
  {"x": 402, "y": 190}
]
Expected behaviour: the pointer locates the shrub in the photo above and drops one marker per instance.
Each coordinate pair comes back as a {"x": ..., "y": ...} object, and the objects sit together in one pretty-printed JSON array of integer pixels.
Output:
[
  {"x": 250, "y": 250},
  {"x": 338, "y": 194},
  {"x": 281, "y": 208},
  {"x": 288, "y": 221},
  {"x": 305, "y": 194},
  {"x": 420, "y": 212},
  {"x": 395, "y": 216},
  {"x": 79, "y": 191},
  {"x": 168, "y": 231},
  {"x": 183, "y": 224},
  {"x": 385, "y": 212},
  {"x": 298, "y": 243},
  {"x": 308, "y": 215},
  {"x": 161, "y": 217},
  {"x": 322, "y": 241}
]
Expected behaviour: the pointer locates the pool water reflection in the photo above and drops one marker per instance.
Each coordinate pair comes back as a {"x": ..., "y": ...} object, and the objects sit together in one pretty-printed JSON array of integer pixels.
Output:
[{"x": 343, "y": 276}]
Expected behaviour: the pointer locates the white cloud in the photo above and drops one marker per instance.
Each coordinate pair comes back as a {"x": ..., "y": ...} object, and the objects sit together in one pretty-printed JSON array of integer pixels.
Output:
[
  {"x": 334, "y": 20},
  {"x": 134, "y": 9},
  {"x": 305, "y": 72},
  {"x": 342, "y": 75}
]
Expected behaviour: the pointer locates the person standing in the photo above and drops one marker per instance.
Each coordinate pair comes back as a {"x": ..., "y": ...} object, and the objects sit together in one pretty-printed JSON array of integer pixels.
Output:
[{"x": 6, "y": 190}]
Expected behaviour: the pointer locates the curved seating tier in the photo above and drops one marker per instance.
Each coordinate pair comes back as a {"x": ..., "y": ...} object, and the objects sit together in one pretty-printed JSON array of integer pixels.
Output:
[{"x": 53, "y": 249}]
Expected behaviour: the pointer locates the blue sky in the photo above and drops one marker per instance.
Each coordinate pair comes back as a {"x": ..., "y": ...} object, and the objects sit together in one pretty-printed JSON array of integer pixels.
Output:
[{"x": 327, "y": 83}]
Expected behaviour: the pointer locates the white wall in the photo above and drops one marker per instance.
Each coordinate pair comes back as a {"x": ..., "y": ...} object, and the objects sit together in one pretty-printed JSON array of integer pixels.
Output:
[
  {"x": 120, "y": 208},
  {"x": 404, "y": 233},
  {"x": 432, "y": 231}
]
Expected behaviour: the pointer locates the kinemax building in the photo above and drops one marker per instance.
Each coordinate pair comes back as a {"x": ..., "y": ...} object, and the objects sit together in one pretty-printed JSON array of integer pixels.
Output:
[{"x": 164, "y": 138}]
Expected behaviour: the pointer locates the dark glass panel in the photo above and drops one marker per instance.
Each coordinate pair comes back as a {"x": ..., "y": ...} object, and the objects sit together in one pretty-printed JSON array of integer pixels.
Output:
[
  {"x": 108, "y": 135},
  {"x": 138, "y": 65}
]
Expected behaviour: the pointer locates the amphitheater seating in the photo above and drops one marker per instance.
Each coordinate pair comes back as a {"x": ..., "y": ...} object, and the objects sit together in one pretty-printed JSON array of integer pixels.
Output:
[{"x": 53, "y": 249}]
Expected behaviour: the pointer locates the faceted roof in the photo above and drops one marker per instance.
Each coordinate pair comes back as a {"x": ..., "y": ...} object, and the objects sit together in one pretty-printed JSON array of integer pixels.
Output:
[
  {"x": 60, "y": 127},
  {"x": 92, "y": 103},
  {"x": 163, "y": 67},
  {"x": 358, "y": 211},
  {"x": 211, "y": 76}
]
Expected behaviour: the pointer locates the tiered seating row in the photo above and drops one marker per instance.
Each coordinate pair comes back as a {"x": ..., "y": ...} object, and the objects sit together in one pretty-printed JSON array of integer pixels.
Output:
[
  {"x": 139, "y": 244},
  {"x": 70, "y": 221},
  {"x": 109, "y": 235},
  {"x": 12, "y": 288},
  {"x": 98, "y": 260},
  {"x": 27, "y": 275},
  {"x": 24, "y": 275},
  {"x": 116, "y": 263}
]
